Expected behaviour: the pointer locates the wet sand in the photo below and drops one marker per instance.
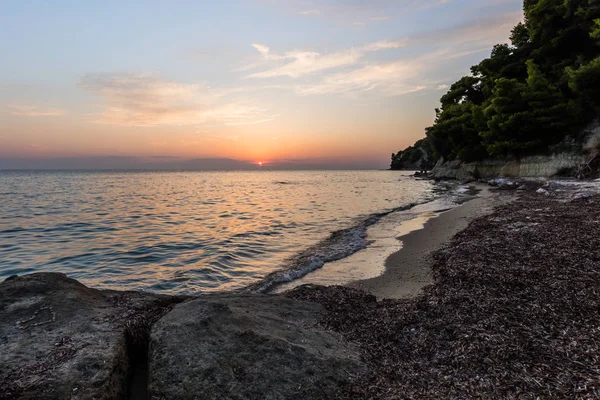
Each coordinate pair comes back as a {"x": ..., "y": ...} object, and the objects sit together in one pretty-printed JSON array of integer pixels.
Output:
[
  {"x": 512, "y": 311},
  {"x": 409, "y": 270}
]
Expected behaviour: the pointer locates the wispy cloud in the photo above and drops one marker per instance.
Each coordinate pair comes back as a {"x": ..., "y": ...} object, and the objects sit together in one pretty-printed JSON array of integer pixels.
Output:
[
  {"x": 299, "y": 63},
  {"x": 392, "y": 78},
  {"x": 147, "y": 100},
  {"x": 34, "y": 111},
  {"x": 477, "y": 33},
  {"x": 353, "y": 11},
  {"x": 310, "y": 12},
  {"x": 378, "y": 19},
  {"x": 407, "y": 74},
  {"x": 435, "y": 3}
]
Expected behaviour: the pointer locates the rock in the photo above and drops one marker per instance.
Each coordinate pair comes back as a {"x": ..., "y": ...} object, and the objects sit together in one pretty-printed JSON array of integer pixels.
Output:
[
  {"x": 503, "y": 184},
  {"x": 62, "y": 340},
  {"x": 542, "y": 191},
  {"x": 522, "y": 187},
  {"x": 532, "y": 166},
  {"x": 239, "y": 346}
]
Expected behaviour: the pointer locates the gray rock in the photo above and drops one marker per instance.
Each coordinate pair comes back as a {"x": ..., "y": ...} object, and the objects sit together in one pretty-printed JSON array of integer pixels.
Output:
[
  {"x": 533, "y": 166},
  {"x": 504, "y": 184},
  {"x": 247, "y": 347},
  {"x": 62, "y": 340}
]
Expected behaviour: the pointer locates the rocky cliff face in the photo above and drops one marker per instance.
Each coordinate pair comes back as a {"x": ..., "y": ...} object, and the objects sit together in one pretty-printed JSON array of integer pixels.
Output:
[
  {"x": 569, "y": 158},
  {"x": 534, "y": 166}
]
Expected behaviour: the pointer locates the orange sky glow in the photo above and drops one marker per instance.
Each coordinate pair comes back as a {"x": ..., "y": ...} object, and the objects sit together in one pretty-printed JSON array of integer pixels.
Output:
[{"x": 347, "y": 83}]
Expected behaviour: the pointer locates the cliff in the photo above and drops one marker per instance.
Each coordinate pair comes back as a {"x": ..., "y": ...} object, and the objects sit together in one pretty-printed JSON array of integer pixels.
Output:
[{"x": 527, "y": 167}]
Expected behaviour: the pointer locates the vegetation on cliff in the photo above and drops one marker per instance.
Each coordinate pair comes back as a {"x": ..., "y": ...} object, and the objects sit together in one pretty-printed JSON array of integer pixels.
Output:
[{"x": 534, "y": 93}]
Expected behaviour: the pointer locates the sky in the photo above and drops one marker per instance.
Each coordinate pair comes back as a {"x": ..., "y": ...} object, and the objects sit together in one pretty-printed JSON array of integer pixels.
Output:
[{"x": 295, "y": 82}]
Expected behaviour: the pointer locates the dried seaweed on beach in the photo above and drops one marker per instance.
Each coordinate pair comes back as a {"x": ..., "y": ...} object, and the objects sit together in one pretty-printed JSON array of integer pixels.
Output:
[{"x": 513, "y": 313}]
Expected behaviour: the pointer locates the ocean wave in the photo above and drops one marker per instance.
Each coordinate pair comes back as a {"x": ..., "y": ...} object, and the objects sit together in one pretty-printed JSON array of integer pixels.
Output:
[
  {"x": 338, "y": 245},
  {"x": 343, "y": 243}
]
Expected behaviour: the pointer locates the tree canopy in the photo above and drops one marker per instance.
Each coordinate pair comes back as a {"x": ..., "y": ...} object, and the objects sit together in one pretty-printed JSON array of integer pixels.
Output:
[{"x": 529, "y": 95}]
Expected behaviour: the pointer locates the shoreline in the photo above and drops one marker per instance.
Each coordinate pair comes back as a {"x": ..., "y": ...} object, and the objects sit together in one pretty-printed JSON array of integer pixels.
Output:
[
  {"x": 380, "y": 239},
  {"x": 511, "y": 311},
  {"x": 509, "y": 308},
  {"x": 408, "y": 270}
]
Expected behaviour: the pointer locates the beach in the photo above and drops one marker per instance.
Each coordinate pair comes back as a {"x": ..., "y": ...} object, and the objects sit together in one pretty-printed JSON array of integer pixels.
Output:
[
  {"x": 511, "y": 308},
  {"x": 495, "y": 298},
  {"x": 408, "y": 270}
]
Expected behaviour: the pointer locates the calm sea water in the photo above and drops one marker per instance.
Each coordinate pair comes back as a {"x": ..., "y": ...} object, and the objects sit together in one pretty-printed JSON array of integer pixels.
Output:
[{"x": 190, "y": 232}]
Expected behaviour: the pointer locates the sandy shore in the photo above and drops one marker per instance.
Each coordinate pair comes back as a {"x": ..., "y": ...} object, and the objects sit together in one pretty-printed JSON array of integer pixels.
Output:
[
  {"x": 511, "y": 313},
  {"x": 408, "y": 270}
]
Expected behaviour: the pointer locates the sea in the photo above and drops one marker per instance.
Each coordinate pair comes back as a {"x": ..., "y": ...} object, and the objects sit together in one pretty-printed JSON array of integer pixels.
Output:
[{"x": 199, "y": 232}]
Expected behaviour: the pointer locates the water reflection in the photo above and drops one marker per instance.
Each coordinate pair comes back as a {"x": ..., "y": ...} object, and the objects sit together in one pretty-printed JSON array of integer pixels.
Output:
[{"x": 181, "y": 232}]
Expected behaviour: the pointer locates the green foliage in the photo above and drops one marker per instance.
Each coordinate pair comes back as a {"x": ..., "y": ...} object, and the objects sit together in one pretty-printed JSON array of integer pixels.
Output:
[
  {"x": 418, "y": 156},
  {"x": 585, "y": 82},
  {"x": 525, "y": 118},
  {"x": 595, "y": 34},
  {"x": 529, "y": 95}
]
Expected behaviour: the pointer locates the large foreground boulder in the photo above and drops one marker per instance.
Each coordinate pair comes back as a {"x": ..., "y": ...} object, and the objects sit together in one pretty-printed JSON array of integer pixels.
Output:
[
  {"x": 247, "y": 347},
  {"x": 62, "y": 340}
]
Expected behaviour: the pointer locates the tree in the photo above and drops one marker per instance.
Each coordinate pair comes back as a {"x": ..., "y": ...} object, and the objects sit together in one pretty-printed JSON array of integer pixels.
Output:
[
  {"x": 529, "y": 95},
  {"x": 525, "y": 118}
]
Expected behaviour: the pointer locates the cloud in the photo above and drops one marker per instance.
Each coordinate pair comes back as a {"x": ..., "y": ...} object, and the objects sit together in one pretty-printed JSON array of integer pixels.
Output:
[
  {"x": 433, "y": 4},
  {"x": 310, "y": 12},
  {"x": 378, "y": 19},
  {"x": 407, "y": 74},
  {"x": 351, "y": 11},
  {"x": 443, "y": 87},
  {"x": 392, "y": 78},
  {"x": 383, "y": 45},
  {"x": 33, "y": 111},
  {"x": 147, "y": 100},
  {"x": 480, "y": 32},
  {"x": 299, "y": 63}
]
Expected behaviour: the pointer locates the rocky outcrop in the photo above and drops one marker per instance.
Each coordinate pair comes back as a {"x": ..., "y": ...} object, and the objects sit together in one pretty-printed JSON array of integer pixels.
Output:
[
  {"x": 247, "y": 347},
  {"x": 62, "y": 340},
  {"x": 534, "y": 166}
]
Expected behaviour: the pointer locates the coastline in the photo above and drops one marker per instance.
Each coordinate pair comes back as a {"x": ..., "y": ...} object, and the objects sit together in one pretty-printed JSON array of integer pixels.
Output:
[
  {"x": 511, "y": 311},
  {"x": 408, "y": 270},
  {"x": 500, "y": 301}
]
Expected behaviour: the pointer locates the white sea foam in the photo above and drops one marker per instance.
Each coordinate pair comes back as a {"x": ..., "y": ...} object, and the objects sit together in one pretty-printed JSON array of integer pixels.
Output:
[{"x": 344, "y": 243}]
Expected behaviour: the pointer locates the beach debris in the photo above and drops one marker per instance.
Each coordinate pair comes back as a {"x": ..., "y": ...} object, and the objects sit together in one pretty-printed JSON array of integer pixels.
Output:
[
  {"x": 504, "y": 183},
  {"x": 24, "y": 324},
  {"x": 513, "y": 312}
]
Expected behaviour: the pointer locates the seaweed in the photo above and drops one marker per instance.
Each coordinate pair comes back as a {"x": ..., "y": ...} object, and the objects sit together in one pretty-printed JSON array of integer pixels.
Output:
[{"x": 512, "y": 313}]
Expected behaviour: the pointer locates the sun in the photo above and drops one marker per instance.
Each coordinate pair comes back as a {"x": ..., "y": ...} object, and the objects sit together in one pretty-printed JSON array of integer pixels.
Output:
[{"x": 260, "y": 164}]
